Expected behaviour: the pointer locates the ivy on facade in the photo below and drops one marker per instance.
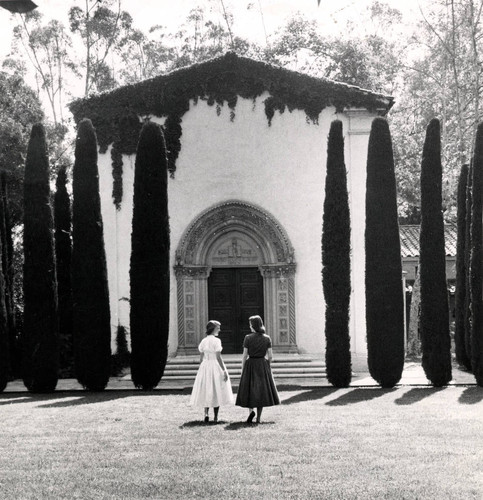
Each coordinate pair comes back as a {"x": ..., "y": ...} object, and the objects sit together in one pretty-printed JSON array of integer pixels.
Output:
[{"x": 218, "y": 81}]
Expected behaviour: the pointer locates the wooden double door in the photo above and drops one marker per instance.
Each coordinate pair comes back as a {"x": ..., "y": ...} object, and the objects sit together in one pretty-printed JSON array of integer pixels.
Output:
[{"x": 234, "y": 294}]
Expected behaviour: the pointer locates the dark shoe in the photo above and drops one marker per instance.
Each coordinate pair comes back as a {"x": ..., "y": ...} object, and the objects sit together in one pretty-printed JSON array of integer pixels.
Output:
[
  {"x": 250, "y": 417},
  {"x": 207, "y": 419}
]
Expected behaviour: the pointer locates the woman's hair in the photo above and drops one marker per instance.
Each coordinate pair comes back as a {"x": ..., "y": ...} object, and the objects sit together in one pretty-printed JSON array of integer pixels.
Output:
[
  {"x": 257, "y": 324},
  {"x": 210, "y": 327}
]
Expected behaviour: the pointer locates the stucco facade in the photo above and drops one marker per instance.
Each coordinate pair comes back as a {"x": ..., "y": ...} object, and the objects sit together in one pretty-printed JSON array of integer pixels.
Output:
[{"x": 247, "y": 194}]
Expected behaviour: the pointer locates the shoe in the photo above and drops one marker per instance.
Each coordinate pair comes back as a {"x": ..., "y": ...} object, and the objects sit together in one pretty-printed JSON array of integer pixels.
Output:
[
  {"x": 215, "y": 420},
  {"x": 207, "y": 419},
  {"x": 250, "y": 417}
]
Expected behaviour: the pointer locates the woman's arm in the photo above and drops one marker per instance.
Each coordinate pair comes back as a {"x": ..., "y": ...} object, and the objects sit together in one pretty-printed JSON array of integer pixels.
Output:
[
  {"x": 270, "y": 355},
  {"x": 245, "y": 356},
  {"x": 220, "y": 362}
]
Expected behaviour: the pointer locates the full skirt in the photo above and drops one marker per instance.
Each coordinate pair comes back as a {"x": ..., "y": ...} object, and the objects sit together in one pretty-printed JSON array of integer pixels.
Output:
[
  {"x": 209, "y": 389},
  {"x": 257, "y": 387}
]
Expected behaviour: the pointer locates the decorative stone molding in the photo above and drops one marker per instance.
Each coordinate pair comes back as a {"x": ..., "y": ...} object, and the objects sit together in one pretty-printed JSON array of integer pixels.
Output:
[{"x": 235, "y": 234}]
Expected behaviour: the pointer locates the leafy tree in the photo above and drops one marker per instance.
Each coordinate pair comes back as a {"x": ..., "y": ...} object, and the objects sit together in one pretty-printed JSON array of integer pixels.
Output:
[
  {"x": 460, "y": 294},
  {"x": 336, "y": 269},
  {"x": 468, "y": 245},
  {"x": 63, "y": 253},
  {"x": 48, "y": 48},
  {"x": 476, "y": 266},
  {"x": 435, "y": 338},
  {"x": 40, "y": 327},
  {"x": 91, "y": 314},
  {"x": 149, "y": 273},
  {"x": 384, "y": 294},
  {"x": 101, "y": 26}
]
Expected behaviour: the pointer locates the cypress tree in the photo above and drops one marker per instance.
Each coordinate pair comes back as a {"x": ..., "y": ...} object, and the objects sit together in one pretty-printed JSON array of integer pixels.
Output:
[
  {"x": 460, "y": 293},
  {"x": 384, "y": 292},
  {"x": 435, "y": 337},
  {"x": 90, "y": 294},
  {"x": 467, "y": 310},
  {"x": 476, "y": 267},
  {"x": 149, "y": 272},
  {"x": 5, "y": 352},
  {"x": 40, "y": 325},
  {"x": 63, "y": 253},
  {"x": 336, "y": 277},
  {"x": 8, "y": 274}
]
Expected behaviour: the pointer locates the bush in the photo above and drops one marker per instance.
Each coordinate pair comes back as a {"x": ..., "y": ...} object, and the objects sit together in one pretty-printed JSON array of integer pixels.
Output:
[
  {"x": 91, "y": 314},
  {"x": 384, "y": 293},
  {"x": 149, "y": 272},
  {"x": 40, "y": 356},
  {"x": 336, "y": 265},
  {"x": 435, "y": 337}
]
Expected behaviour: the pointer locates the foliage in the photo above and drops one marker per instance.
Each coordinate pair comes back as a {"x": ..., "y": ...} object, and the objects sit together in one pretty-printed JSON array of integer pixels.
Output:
[
  {"x": 336, "y": 270},
  {"x": 122, "y": 358},
  {"x": 435, "y": 338},
  {"x": 91, "y": 313},
  {"x": 476, "y": 266},
  {"x": 40, "y": 328},
  {"x": 101, "y": 29},
  {"x": 63, "y": 253},
  {"x": 461, "y": 290},
  {"x": 468, "y": 245},
  {"x": 149, "y": 272},
  {"x": 5, "y": 339},
  {"x": 8, "y": 275},
  {"x": 384, "y": 294}
]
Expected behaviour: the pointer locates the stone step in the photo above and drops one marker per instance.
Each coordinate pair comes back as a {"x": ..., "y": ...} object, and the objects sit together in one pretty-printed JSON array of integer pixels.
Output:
[{"x": 236, "y": 373}]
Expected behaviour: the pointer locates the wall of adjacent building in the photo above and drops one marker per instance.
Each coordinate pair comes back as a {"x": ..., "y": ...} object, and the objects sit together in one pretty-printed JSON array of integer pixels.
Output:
[{"x": 279, "y": 168}]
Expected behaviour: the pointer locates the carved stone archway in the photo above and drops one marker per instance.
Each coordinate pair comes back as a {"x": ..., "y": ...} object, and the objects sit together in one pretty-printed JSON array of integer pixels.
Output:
[{"x": 235, "y": 234}]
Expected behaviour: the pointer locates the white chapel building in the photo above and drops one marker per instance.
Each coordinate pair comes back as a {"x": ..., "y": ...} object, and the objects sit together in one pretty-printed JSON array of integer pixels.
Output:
[{"x": 247, "y": 152}]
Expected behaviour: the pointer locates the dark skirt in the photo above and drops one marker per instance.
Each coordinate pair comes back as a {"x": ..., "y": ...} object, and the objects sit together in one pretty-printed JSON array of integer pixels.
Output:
[{"x": 257, "y": 387}]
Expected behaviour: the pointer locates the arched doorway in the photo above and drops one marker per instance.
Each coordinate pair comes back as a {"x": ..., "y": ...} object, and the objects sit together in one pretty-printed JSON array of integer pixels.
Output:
[{"x": 233, "y": 261}]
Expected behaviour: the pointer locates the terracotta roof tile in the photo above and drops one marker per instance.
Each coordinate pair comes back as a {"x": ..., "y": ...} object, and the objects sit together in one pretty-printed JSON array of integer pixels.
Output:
[{"x": 409, "y": 236}]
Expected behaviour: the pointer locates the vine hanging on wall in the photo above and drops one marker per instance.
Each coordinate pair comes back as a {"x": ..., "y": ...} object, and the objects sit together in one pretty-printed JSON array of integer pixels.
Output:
[{"x": 218, "y": 81}]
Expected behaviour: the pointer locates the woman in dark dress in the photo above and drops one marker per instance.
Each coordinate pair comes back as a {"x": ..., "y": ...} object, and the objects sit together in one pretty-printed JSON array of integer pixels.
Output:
[{"x": 257, "y": 387}]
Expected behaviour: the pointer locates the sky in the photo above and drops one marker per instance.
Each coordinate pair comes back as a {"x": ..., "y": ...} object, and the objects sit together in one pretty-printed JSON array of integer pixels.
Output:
[{"x": 248, "y": 21}]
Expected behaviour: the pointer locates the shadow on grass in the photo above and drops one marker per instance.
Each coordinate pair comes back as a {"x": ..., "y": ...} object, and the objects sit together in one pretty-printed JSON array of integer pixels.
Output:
[
  {"x": 318, "y": 393},
  {"x": 236, "y": 426},
  {"x": 75, "y": 398},
  {"x": 416, "y": 394},
  {"x": 359, "y": 395},
  {"x": 201, "y": 423},
  {"x": 471, "y": 395}
]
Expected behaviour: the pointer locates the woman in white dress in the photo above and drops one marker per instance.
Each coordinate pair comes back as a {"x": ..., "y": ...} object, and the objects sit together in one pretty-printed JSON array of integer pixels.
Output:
[{"x": 212, "y": 387}]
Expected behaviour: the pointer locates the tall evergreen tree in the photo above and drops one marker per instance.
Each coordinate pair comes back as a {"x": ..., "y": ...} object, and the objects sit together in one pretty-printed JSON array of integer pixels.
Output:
[
  {"x": 63, "y": 253},
  {"x": 384, "y": 292},
  {"x": 5, "y": 352},
  {"x": 476, "y": 267},
  {"x": 8, "y": 274},
  {"x": 336, "y": 265},
  {"x": 149, "y": 273},
  {"x": 467, "y": 310},
  {"x": 40, "y": 356},
  {"x": 435, "y": 337},
  {"x": 460, "y": 294},
  {"x": 90, "y": 294}
]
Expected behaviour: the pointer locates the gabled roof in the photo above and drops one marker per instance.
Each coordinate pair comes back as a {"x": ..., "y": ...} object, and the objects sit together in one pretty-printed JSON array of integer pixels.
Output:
[
  {"x": 219, "y": 81},
  {"x": 409, "y": 236}
]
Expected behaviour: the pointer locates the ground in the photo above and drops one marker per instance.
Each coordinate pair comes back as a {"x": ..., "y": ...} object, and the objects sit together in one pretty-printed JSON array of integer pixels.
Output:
[{"x": 356, "y": 443}]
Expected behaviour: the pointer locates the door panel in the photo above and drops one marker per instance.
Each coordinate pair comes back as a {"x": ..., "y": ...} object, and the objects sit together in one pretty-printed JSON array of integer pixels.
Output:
[{"x": 234, "y": 294}]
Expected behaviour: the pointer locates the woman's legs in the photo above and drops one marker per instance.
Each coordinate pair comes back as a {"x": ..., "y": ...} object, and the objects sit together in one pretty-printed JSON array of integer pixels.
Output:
[
  {"x": 259, "y": 413},
  {"x": 251, "y": 415},
  {"x": 206, "y": 414},
  {"x": 216, "y": 410}
]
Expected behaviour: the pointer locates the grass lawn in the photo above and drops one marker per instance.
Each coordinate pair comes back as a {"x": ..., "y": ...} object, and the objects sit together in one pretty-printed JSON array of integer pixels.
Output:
[{"x": 357, "y": 443}]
